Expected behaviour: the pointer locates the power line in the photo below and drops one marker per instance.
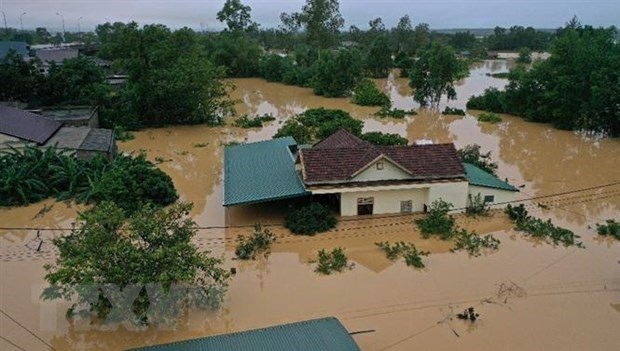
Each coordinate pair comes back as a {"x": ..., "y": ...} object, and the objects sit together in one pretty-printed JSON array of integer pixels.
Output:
[
  {"x": 12, "y": 343},
  {"x": 364, "y": 218},
  {"x": 26, "y": 329}
]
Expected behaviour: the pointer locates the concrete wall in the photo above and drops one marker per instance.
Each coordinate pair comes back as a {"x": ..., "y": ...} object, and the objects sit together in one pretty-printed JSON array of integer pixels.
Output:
[
  {"x": 499, "y": 194},
  {"x": 385, "y": 201},
  {"x": 389, "y": 172},
  {"x": 454, "y": 193}
]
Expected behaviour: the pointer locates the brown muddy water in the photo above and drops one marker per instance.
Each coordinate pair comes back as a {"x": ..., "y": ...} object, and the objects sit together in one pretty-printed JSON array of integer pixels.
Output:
[{"x": 530, "y": 296}]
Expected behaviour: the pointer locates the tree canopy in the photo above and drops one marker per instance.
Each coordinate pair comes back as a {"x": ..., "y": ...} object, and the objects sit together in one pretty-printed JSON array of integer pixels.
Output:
[
  {"x": 434, "y": 74},
  {"x": 321, "y": 20},
  {"x": 139, "y": 269},
  {"x": 236, "y": 16}
]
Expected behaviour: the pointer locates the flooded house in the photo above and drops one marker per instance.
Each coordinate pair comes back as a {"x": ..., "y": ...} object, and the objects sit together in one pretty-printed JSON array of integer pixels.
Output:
[
  {"x": 19, "y": 128},
  {"x": 364, "y": 179},
  {"x": 55, "y": 56}
]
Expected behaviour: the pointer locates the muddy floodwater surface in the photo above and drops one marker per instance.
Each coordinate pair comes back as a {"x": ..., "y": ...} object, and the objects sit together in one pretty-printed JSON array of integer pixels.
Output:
[{"x": 530, "y": 295}]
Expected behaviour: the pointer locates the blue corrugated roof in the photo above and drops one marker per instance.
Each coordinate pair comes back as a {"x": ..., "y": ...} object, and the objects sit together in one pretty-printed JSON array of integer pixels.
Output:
[
  {"x": 325, "y": 334},
  {"x": 261, "y": 171},
  {"x": 476, "y": 176},
  {"x": 19, "y": 46}
]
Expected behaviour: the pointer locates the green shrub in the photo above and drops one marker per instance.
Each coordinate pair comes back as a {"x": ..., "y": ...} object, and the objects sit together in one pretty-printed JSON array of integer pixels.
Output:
[
  {"x": 310, "y": 219},
  {"x": 471, "y": 154},
  {"x": 453, "y": 111},
  {"x": 473, "y": 243},
  {"x": 367, "y": 94},
  {"x": 525, "y": 55},
  {"x": 516, "y": 213},
  {"x": 492, "y": 100},
  {"x": 397, "y": 113},
  {"x": 121, "y": 134},
  {"x": 538, "y": 228},
  {"x": 412, "y": 256},
  {"x": 259, "y": 242},
  {"x": 379, "y": 138},
  {"x": 611, "y": 228},
  {"x": 256, "y": 122},
  {"x": 437, "y": 222},
  {"x": 334, "y": 261},
  {"x": 476, "y": 206},
  {"x": 490, "y": 117}
]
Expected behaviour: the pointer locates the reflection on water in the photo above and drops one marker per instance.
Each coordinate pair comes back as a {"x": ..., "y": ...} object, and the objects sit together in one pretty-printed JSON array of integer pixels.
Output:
[{"x": 572, "y": 287}]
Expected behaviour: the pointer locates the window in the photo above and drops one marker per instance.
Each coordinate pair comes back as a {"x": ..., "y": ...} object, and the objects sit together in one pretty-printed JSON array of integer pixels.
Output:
[
  {"x": 365, "y": 205},
  {"x": 380, "y": 166},
  {"x": 406, "y": 206},
  {"x": 489, "y": 198}
]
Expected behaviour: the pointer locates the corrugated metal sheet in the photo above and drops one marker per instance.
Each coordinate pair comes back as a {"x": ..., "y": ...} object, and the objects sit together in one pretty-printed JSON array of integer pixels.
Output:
[
  {"x": 259, "y": 172},
  {"x": 19, "y": 46},
  {"x": 98, "y": 139},
  {"x": 325, "y": 334},
  {"x": 476, "y": 176},
  {"x": 26, "y": 125},
  {"x": 56, "y": 55}
]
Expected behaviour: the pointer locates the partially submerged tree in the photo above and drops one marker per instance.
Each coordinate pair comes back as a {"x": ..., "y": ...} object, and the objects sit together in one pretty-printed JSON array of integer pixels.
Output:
[
  {"x": 321, "y": 20},
  {"x": 141, "y": 269},
  {"x": 434, "y": 73}
]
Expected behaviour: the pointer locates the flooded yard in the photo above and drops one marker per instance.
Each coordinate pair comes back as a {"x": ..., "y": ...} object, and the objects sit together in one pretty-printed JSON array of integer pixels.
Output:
[{"x": 529, "y": 295}]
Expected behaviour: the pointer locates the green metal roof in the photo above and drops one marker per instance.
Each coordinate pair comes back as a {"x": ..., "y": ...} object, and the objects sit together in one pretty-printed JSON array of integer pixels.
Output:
[
  {"x": 325, "y": 334},
  {"x": 261, "y": 171},
  {"x": 478, "y": 177}
]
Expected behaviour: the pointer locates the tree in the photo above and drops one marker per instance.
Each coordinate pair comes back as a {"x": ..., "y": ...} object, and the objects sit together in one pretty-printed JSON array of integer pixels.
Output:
[
  {"x": 525, "y": 55},
  {"x": 20, "y": 78},
  {"x": 434, "y": 73},
  {"x": 366, "y": 93},
  {"x": 138, "y": 269},
  {"x": 78, "y": 81},
  {"x": 236, "y": 16},
  {"x": 379, "y": 58},
  {"x": 403, "y": 35},
  {"x": 471, "y": 154},
  {"x": 336, "y": 74},
  {"x": 321, "y": 20},
  {"x": 379, "y": 138}
]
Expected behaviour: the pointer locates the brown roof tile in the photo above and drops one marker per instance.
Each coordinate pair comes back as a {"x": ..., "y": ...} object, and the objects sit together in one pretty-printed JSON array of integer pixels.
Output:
[
  {"x": 331, "y": 163},
  {"x": 340, "y": 139}
]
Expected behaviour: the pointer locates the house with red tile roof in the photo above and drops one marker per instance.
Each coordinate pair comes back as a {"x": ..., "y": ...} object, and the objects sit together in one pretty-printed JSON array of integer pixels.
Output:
[{"x": 362, "y": 178}]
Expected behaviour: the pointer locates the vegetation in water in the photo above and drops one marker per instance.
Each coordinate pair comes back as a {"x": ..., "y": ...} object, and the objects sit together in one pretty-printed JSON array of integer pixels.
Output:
[
  {"x": 611, "y": 227},
  {"x": 367, "y": 94},
  {"x": 471, "y": 154},
  {"x": 502, "y": 75},
  {"x": 122, "y": 134},
  {"x": 490, "y": 117},
  {"x": 408, "y": 251},
  {"x": 246, "y": 121},
  {"x": 108, "y": 255},
  {"x": 379, "y": 138},
  {"x": 541, "y": 229},
  {"x": 437, "y": 222},
  {"x": 259, "y": 242},
  {"x": 492, "y": 100},
  {"x": 476, "y": 206},
  {"x": 310, "y": 219},
  {"x": 330, "y": 262},
  {"x": 33, "y": 174},
  {"x": 453, "y": 111},
  {"x": 469, "y": 314},
  {"x": 525, "y": 55},
  {"x": 397, "y": 113},
  {"x": 473, "y": 243}
]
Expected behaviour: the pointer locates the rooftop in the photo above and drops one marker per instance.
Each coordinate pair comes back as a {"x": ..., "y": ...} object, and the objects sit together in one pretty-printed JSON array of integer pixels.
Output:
[
  {"x": 261, "y": 171},
  {"x": 26, "y": 125},
  {"x": 476, "y": 176},
  {"x": 325, "y": 334},
  {"x": 19, "y": 46},
  {"x": 56, "y": 55},
  {"x": 339, "y": 157}
]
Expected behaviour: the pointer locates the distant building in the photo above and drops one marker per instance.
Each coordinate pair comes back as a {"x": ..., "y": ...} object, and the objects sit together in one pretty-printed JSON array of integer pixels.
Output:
[
  {"x": 19, "y": 128},
  {"x": 20, "y": 47},
  {"x": 54, "y": 56}
]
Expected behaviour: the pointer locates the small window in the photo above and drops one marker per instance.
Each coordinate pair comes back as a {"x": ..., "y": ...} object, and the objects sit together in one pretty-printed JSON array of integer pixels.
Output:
[
  {"x": 489, "y": 199},
  {"x": 380, "y": 166},
  {"x": 406, "y": 206}
]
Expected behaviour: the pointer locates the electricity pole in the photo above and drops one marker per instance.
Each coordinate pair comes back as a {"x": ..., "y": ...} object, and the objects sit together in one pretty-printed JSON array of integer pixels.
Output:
[
  {"x": 21, "y": 20},
  {"x": 63, "y": 24}
]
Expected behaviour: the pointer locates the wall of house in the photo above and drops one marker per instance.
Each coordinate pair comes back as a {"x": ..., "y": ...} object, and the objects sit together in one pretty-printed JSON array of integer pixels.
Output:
[
  {"x": 385, "y": 201},
  {"x": 453, "y": 192},
  {"x": 499, "y": 195},
  {"x": 389, "y": 171}
]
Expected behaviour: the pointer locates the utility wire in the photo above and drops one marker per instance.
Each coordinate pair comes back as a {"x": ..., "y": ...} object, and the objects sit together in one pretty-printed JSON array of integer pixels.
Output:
[
  {"x": 26, "y": 329},
  {"x": 356, "y": 219},
  {"x": 12, "y": 343}
]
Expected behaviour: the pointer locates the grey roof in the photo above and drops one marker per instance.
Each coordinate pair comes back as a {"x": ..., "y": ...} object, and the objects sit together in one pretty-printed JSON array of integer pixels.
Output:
[
  {"x": 26, "y": 125},
  {"x": 261, "y": 171},
  {"x": 19, "y": 46},
  {"x": 325, "y": 334},
  {"x": 69, "y": 137},
  {"x": 98, "y": 139},
  {"x": 56, "y": 55}
]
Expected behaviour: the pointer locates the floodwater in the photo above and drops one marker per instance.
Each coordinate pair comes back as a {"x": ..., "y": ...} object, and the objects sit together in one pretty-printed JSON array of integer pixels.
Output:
[{"x": 529, "y": 295}]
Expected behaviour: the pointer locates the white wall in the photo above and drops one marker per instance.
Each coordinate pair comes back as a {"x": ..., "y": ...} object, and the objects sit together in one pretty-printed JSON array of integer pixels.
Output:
[
  {"x": 385, "y": 201},
  {"x": 500, "y": 195},
  {"x": 389, "y": 172},
  {"x": 453, "y": 192}
]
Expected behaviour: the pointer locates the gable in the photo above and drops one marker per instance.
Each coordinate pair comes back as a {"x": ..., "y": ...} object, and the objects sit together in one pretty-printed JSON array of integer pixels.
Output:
[{"x": 381, "y": 169}]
